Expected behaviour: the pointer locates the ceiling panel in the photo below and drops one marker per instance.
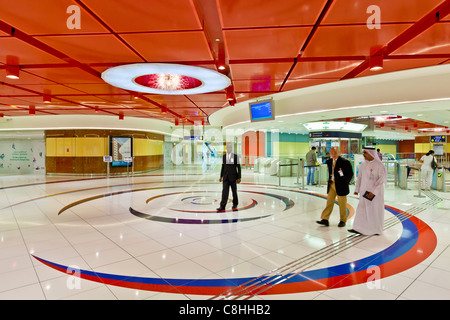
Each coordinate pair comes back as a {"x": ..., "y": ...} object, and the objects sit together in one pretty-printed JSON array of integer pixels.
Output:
[
  {"x": 255, "y": 43},
  {"x": 352, "y": 40},
  {"x": 27, "y": 54},
  {"x": 54, "y": 89},
  {"x": 171, "y": 46},
  {"x": 435, "y": 40},
  {"x": 323, "y": 69},
  {"x": 256, "y": 13},
  {"x": 391, "y": 65},
  {"x": 7, "y": 102},
  {"x": 262, "y": 85},
  {"x": 303, "y": 83},
  {"x": 357, "y": 12},
  {"x": 55, "y": 74},
  {"x": 252, "y": 71},
  {"x": 137, "y": 16},
  {"x": 212, "y": 97},
  {"x": 91, "y": 48}
]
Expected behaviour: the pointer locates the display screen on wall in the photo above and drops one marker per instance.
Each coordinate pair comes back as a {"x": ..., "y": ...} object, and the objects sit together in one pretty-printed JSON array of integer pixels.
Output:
[
  {"x": 262, "y": 110},
  {"x": 437, "y": 138},
  {"x": 438, "y": 149},
  {"x": 121, "y": 151}
]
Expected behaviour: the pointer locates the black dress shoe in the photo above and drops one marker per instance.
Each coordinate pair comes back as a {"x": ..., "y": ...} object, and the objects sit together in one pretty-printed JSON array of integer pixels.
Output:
[
  {"x": 354, "y": 231},
  {"x": 341, "y": 224},
  {"x": 323, "y": 222},
  {"x": 220, "y": 209},
  {"x": 234, "y": 207}
]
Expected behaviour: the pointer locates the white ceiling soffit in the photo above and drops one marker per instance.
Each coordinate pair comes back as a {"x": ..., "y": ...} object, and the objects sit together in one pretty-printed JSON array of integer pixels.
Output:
[
  {"x": 85, "y": 122},
  {"x": 402, "y": 92},
  {"x": 389, "y": 135}
]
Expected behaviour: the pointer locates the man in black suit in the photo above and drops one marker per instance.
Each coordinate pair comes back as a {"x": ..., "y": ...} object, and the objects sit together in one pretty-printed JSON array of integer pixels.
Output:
[
  {"x": 229, "y": 175},
  {"x": 340, "y": 174}
]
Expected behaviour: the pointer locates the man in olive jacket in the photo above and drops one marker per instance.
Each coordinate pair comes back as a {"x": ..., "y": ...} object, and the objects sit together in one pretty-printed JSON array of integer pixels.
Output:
[{"x": 340, "y": 174}]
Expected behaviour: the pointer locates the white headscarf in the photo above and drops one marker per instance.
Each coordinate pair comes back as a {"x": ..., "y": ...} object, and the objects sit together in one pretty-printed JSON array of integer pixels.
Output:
[{"x": 373, "y": 153}]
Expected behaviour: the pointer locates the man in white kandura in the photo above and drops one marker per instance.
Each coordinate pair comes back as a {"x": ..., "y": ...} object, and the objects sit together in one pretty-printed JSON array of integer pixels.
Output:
[{"x": 369, "y": 216}]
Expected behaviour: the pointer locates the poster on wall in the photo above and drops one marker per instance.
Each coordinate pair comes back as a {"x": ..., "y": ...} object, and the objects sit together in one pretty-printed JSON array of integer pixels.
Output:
[
  {"x": 121, "y": 151},
  {"x": 438, "y": 149},
  {"x": 22, "y": 157}
]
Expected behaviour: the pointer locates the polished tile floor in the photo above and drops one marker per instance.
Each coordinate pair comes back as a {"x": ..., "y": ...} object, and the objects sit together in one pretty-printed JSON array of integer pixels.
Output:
[{"x": 158, "y": 236}]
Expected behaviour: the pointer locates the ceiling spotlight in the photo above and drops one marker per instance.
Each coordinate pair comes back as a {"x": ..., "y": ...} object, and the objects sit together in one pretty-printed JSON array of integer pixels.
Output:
[
  {"x": 12, "y": 72},
  {"x": 12, "y": 67},
  {"x": 47, "y": 96},
  {"x": 376, "y": 63},
  {"x": 221, "y": 64},
  {"x": 376, "y": 58}
]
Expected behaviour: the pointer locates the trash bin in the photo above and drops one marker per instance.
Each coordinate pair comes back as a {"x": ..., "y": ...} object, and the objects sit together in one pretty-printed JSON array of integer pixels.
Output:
[{"x": 438, "y": 180}]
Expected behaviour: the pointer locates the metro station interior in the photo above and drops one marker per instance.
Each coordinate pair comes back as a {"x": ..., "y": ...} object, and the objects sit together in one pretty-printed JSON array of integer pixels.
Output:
[{"x": 114, "y": 120}]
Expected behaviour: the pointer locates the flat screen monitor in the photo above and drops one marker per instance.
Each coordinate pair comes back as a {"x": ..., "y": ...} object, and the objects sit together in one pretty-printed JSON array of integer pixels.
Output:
[
  {"x": 437, "y": 138},
  {"x": 262, "y": 110}
]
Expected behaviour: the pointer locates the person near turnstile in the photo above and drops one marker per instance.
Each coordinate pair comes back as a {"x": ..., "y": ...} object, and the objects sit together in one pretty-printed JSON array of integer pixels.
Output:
[
  {"x": 427, "y": 169},
  {"x": 311, "y": 160}
]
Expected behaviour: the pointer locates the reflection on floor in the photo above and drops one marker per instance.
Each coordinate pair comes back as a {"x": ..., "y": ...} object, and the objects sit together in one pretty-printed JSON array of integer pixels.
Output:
[{"x": 158, "y": 236}]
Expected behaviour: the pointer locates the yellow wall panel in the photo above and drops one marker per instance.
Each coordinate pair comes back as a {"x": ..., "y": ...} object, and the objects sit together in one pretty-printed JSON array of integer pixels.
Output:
[
  {"x": 50, "y": 147},
  {"x": 65, "y": 147},
  {"x": 387, "y": 148},
  {"x": 90, "y": 147},
  {"x": 275, "y": 149},
  {"x": 421, "y": 147},
  {"x": 147, "y": 147},
  {"x": 98, "y": 147},
  {"x": 289, "y": 149}
]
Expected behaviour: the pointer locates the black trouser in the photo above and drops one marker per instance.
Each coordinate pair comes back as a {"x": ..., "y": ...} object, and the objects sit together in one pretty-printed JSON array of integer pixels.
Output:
[{"x": 226, "y": 190}]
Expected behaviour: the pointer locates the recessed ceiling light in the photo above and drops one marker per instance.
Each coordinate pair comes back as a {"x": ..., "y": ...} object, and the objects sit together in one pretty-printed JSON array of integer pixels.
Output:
[{"x": 165, "y": 78}]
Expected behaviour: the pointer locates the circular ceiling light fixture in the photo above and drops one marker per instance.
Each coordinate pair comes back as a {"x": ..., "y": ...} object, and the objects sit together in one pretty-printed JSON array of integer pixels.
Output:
[{"x": 165, "y": 78}]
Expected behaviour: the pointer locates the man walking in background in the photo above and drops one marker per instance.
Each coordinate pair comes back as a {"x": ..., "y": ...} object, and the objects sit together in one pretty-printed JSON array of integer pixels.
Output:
[
  {"x": 311, "y": 160},
  {"x": 340, "y": 174},
  {"x": 229, "y": 175}
]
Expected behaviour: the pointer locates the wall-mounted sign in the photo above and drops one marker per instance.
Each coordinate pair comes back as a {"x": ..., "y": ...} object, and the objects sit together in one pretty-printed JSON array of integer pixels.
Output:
[{"x": 121, "y": 148}]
